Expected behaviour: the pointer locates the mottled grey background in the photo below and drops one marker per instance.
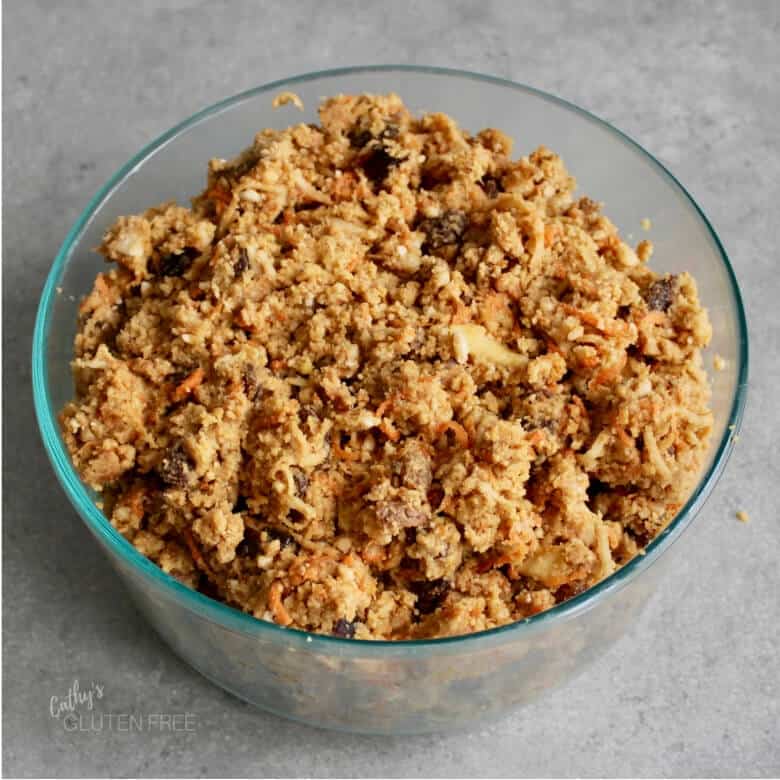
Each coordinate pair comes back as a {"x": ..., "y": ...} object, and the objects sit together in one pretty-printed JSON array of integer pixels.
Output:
[{"x": 694, "y": 690}]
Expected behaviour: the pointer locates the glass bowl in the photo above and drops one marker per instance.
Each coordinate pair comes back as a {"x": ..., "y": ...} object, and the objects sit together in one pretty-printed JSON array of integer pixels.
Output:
[{"x": 414, "y": 686}]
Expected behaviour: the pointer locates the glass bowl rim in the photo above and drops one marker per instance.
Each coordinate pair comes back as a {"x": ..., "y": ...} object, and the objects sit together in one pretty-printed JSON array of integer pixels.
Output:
[{"x": 236, "y": 620}]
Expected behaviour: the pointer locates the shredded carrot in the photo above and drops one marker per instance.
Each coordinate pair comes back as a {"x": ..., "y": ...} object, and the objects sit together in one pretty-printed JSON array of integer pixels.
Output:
[
  {"x": 218, "y": 193},
  {"x": 135, "y": 501},
  {"x": 195, "y": 552},
  {"x": 553, "y": 347},
  {"x": 343, "y": 454},
  {"x": 277, "y": 364},
  {"x": 373, "y": 553},
  {"x": 536, "y": 437},
  {"x": 625, "y": 439},
  {"x": 551, "y": 232},
  {"x": 495, "y": 310},
  {"x": 280, "y": 614},
  {"x": 387, "y": 428},
  {"x": 461, "y": 435},
  {"x": 589, "y": 361},
  {"x": 492, "y": 563},
  {"x": 654, "y": 318},
  {"x": 610, "y": 373},
  {"x": 221, "y": 198},
  {"x": 189, "y": 384},
  {"x": 385, "y": 406},
  {"x": 343, "y": 187},
  {"x": 588, "y": 317},
  {"x": 461, "y": 314}
]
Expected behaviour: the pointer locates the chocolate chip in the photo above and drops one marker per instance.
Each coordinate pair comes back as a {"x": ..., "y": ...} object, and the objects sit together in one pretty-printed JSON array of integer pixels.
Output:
[
  {"x": 660, "y": 294},
  {"x": 443, "y": 230},
  {"x": 344, "y": 628},
  {"x": 301, "y": 480},
  {"x": 241, "y": 263},
  {"x": 399, "y": 514},
  {"x": 174, "y": 467},
  {"x": 176, "y": 264},
  {"x": 430, "y": 594}
]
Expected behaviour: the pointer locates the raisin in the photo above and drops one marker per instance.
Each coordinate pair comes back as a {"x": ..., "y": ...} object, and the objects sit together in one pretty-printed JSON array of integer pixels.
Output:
[
  {"x": 443, "y": 230},
  {"x": 378, "y": 164},
  {"x": 398, "y": 513},
  {"x": 176, "y": 264},
  {"x": 435, "y": 495},
  {"x": 660, "y": 295},
  {"x": 570, "y": 590},
  {"x": 430, "y": 594},
  {"x": 285, "y": 540},
  {"x": 597, "y": 488},
  {"x": 491, "y": 185},
  {"x": 249, "y": 546},
  {"x": 301, "y": 480},
  {"x": 173, "y": 468},
  {"x": 344, "y": 628},
  {"x": 208, "y": 588},
  {"x": 359, "y": 137},
  {"x": 241, "y": 263}
]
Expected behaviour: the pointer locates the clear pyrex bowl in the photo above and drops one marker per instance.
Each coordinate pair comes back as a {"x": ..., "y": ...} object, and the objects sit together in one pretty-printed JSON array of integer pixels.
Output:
[{"x": 415, "y": 686}]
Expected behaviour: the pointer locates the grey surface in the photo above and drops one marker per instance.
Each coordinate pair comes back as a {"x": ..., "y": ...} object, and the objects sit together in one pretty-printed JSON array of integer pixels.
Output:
[{"x": 694, "y": 690}]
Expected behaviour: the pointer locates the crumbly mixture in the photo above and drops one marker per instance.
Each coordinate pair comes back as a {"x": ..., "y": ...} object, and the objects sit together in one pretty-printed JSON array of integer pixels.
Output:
[{"x": 382, "y": 380}]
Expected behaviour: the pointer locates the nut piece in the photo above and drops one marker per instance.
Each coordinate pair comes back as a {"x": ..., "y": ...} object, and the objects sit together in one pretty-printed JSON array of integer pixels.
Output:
[
  {"x": 660, "y": 295},
  {"x": 399, "y": 514},
  {"x": 174, "y": 467},
  {"x": 443, "y": 230}
]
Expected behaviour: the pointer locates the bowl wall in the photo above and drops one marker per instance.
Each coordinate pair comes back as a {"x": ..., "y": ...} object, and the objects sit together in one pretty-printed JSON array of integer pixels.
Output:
[{"x": 415, "y": 686}]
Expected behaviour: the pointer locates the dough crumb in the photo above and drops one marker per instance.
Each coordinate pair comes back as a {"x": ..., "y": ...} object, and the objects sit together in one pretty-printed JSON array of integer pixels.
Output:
[
  {"x": 646, "y": 224},
  {"x": 719, "y": 363},
  {"x": 385, "y": 380},
  {"x": 743, "y": 516},
  {"x": 283, "y": 98}
]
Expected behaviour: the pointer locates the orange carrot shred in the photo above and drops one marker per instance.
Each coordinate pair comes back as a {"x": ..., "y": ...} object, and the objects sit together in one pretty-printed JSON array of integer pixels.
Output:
[
  {"x": 190, "y": 382},
  {"x": 461, "y": 435}
]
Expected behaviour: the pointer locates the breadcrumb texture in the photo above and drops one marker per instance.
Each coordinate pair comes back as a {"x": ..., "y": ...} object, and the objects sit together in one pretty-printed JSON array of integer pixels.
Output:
[{"x": 384, "y": 381}]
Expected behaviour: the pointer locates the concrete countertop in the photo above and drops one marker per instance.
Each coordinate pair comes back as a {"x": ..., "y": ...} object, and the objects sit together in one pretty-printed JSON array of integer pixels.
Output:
[{"x": 694, "y": 689}]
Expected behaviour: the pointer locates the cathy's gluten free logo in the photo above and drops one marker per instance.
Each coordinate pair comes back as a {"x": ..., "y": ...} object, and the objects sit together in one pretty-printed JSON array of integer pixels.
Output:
[{"x": 79, "y": 709}]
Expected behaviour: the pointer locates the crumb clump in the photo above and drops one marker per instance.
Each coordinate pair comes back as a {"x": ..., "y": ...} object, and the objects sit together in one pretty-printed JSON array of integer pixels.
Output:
[{"x": 383, "y": 380}]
